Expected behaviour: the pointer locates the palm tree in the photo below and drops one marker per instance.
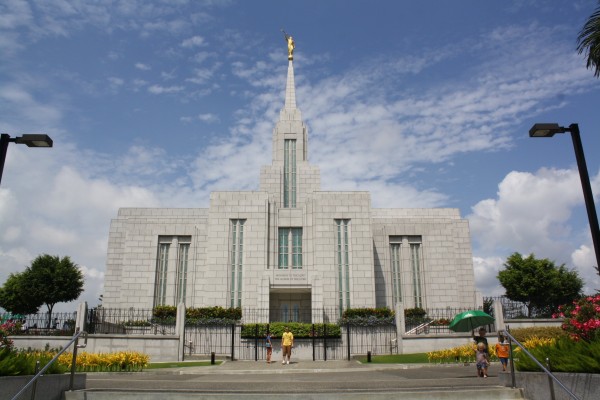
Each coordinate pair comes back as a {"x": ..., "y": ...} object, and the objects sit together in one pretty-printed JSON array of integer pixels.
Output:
[{"x": 589, "y": 41}]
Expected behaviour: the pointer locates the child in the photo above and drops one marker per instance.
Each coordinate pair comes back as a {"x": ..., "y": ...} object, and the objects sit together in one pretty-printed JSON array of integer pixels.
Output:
[
  {"x": 482, "y": 360},
  {"x": 482, "y": 339},
  {"x": 269, "y": 347},
  {"x": 502, "y": 351}
]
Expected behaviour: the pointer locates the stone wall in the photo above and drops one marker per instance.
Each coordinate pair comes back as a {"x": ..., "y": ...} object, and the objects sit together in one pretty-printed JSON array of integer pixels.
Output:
[{"x": 536, "y": 386}]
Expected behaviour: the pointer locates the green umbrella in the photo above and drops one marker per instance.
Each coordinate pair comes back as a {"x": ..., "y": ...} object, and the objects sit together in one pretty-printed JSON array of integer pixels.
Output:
[{"x": 469, "y": 320}]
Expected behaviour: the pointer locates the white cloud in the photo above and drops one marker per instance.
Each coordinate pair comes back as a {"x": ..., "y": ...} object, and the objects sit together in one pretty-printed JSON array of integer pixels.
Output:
[
  {"x": 486, "y": 270},
  {"x": 532, "y": 215},
  {"x": 523, "y": 217},
  {"x": 194, "y": 41},
  {"x": 157, "y": 89},
  {"x": 143, "y": 67},
  {"x": 208, "y": 117}
]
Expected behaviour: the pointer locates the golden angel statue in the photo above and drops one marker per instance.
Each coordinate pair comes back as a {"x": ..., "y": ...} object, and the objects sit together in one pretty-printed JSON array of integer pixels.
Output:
[{"x": 291, "y": 45}]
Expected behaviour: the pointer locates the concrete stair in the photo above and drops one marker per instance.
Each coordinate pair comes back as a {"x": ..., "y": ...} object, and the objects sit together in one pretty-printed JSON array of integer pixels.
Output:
[{"x": 488, "y": 393}]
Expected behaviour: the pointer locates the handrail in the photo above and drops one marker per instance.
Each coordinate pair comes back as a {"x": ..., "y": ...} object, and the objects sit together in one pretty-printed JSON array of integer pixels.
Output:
[
  {"x": 75, "y": 340},
  {"x": 539, "y": 364},
  {"x": 415, "y": 331}
]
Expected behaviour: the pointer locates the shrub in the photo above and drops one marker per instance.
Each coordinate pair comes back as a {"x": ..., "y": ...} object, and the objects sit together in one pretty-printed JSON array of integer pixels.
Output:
[
  {"x": 164, "y": 312},
  {"x": 6, "y": 329},
  {"x": 299, "y": 329},
  {"x": 368, "y": 316},
  {"x": 565, "y": 355},
  {"x": 197, "y": 316},
  {"x": 14, "y": 362},
  {"x": 547, "y": 332},
  {"x": 581, "y": 318},
  {"x": 416, "y": 312}
]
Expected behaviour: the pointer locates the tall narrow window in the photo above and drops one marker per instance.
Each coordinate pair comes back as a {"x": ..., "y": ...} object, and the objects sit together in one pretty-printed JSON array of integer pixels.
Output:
[
  {"x": 290, "y": 248},
  {"x": 395, "y": 249},
  {"x": 285, "y": 313},
  {"x": 160, "y": 288},
  {"x": 415, "y": 260},
  {"x": 182, "y": 269},
  {"x": 289, "y": 173},
  {"x": 236, "y": 261},
  {"x": 343, "y": 262}
]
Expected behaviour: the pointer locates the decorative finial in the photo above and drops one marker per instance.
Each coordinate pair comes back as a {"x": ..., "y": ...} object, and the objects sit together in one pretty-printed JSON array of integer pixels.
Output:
[{"x": 291, "y": 45}]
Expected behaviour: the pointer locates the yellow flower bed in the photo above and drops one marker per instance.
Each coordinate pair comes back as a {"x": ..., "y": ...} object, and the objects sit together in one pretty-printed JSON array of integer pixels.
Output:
[
  {"x": 535, "y": 341},
  {"x": 95, "y": 362},
  {"x": 465, "y": 353}
]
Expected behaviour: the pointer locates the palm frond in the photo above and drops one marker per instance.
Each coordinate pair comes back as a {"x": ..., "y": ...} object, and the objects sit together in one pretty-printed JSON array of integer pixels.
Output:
[{"x": 589, "y": 41}]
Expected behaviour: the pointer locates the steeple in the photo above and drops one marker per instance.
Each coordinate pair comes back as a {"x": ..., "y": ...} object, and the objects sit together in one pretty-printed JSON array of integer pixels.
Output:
[
  {"x": 290, "y": 179},
  {"x": 290, "y": 88},
  {"x": 290, "y": 112}
]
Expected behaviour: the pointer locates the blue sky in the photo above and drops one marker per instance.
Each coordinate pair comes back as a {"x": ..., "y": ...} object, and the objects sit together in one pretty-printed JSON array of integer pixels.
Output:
[{"x": 425, "y": 104}]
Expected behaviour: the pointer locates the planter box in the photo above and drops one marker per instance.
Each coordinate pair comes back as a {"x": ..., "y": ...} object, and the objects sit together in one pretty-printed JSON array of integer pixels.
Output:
[{"x": 49, "y": 387}]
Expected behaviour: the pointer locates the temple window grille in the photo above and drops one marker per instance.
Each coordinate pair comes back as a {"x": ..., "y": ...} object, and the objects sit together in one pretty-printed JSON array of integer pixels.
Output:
[
  {"x": 182, "y": 271},
  {"x": 162, "y": 266},
  {"x": 396, "y": 251},
  {"x": 236, "y": 261},
  {"x": 289, "y": 173},
  {"x": 343, "y": 262},
  {"x": 290, "y": 248},
  {"x": 415, "y": 262}
]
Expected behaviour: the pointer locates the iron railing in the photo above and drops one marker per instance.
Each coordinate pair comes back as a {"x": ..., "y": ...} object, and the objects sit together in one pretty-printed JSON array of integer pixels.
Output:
[
  {"x": 551, "y": 377},
  {"x": 435, "y": 321},
  {"x": 130, "y": 321},
  {"x": 55, "y": 324}
]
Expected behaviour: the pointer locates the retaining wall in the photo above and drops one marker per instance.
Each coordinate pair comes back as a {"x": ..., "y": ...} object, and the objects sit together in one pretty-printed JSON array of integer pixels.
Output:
[
  {"x": 49, "y": 387},
  {"x": 536, "y": 386}
]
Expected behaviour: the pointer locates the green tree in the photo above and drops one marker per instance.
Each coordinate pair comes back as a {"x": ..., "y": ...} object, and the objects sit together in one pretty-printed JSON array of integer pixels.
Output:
[
  {"x": 49, "y": 280},
  {"x": 15, "y": 297},
  {"x": 538, "y": 283},
  {"x": 589, "y": 41}
]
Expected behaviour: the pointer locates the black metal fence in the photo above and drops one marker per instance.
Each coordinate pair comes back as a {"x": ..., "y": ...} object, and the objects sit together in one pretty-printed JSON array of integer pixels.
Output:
[
  {"x": 55, "y": 324},
  {"x": 130, "y": 321},
  {"x": 234, "y": 342}
]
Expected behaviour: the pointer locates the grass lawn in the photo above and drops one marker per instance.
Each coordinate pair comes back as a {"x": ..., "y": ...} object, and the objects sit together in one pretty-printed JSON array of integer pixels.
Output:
[
  {"x": 417, "y": 358},
  {"x": 183, "y": 364}
]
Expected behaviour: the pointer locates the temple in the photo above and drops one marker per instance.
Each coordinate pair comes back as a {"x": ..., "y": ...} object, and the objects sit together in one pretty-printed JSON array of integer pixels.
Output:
[{"x": 290, "y": 251}]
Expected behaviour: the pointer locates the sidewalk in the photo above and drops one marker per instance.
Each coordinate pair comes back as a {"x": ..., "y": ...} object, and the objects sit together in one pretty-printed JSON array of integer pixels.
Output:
[{"x": 301, "y": 366}]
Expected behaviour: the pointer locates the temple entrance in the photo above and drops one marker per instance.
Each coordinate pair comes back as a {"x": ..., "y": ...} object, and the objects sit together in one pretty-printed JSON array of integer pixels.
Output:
[{"x": 290, "y": 305}]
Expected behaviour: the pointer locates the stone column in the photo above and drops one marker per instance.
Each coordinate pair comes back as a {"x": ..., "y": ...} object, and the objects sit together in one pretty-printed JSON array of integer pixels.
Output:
[
  {"x": 400, "y": 326},
  {"x": 499, "y": 316},
  {"x": 180, "y": 329}
]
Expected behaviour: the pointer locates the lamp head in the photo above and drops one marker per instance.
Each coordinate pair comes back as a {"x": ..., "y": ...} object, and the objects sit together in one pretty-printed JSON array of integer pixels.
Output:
[
  {"x": 545, "y": 130},
  {"x": 35, "y": 140}
]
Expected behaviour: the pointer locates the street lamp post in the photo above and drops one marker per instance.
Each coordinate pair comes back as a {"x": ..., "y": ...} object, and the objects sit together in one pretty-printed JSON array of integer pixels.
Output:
[
  {"x": 548, "y": 130},
  {"x": 31, "y": 140}
]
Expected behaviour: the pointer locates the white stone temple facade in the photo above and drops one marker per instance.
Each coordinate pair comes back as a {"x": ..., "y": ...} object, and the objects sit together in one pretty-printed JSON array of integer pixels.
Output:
[{"x": 289, "y": 247}]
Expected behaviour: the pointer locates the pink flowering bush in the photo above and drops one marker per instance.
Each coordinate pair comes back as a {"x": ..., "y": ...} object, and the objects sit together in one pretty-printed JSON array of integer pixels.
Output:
[
  {"x": 581, "y": 318},
  {"x": 6, "y": 329}
]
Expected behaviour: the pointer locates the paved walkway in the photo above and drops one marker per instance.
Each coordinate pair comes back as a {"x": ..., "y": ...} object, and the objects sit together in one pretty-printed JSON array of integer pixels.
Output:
[{"x": 300, "y": 377}]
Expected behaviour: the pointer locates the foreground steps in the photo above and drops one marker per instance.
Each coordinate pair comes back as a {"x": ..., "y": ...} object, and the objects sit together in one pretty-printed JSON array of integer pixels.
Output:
[{"x": 488, "y": 393}]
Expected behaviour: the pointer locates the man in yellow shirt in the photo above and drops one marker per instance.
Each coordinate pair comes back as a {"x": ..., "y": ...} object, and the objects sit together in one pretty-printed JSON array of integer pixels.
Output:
[{"x": 287, "y": 342}]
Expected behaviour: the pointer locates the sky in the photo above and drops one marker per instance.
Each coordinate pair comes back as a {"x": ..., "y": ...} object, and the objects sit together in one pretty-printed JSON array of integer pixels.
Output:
[{"x": 424, "y": 104}]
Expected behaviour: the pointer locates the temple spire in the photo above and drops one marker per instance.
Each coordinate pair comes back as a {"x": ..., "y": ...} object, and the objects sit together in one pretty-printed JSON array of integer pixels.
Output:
[{"x": 290, "y": 89}]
